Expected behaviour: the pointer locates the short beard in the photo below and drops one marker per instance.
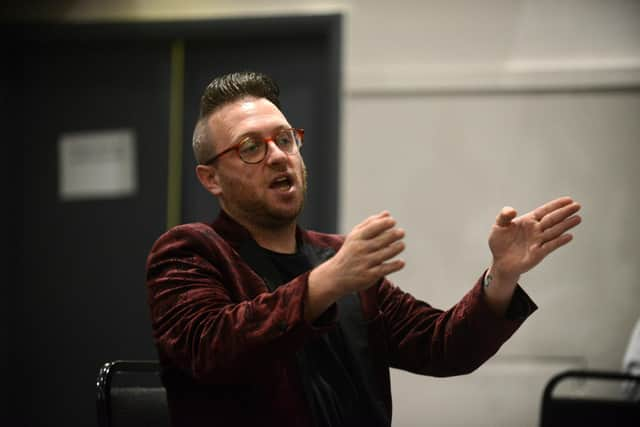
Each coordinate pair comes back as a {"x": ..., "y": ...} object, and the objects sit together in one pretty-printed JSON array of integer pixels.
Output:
[
  {"x": 263, "y": 217},
  {"x": 271, "y": 220}
]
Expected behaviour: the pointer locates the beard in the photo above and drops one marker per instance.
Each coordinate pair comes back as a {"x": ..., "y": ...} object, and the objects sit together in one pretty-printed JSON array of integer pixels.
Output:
[{"x": 244, "y": 204}]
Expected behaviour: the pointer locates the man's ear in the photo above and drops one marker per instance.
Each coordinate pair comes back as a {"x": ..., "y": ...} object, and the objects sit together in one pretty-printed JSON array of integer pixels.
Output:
[{"x": 208, "y": 177}]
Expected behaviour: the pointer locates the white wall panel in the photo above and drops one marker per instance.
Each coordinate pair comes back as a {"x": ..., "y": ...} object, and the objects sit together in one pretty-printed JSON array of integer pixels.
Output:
[{"x": 445, "y": 165}]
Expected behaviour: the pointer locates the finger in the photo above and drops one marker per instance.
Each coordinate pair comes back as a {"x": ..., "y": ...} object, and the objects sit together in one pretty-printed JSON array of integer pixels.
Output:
[
  {"x": 387, "y": 253},
  {"x": 543, "y": 210},
  {"x": 376, "y": 226},
  {"x": 559, "y": 215},
  {"x": 389, "y": 267},
  {"x": 371, "y": 218},
  {"x": 562, "y": 227},
  {"x": 386, "y": 238},
  {"x": 552, "y": 245},
  {"x": 506, "y": 215}
]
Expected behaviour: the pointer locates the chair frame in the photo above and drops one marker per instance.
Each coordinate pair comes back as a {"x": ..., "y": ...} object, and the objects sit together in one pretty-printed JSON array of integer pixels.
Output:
[
  {"x": 578, "y": 374},
  {"x": 104, "y": 380}
]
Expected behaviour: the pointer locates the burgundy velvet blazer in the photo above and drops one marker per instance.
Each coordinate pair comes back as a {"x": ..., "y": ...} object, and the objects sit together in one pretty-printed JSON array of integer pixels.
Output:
[{"x": 227, "y": 342}]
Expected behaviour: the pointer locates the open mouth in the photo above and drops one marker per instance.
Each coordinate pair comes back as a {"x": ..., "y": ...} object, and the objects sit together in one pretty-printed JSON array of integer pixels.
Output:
[{"x": 283, "y": 183}]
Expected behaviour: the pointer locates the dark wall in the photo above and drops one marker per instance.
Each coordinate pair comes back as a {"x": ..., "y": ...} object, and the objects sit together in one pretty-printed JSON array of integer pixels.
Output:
[
  {"x": 10, "y": 201},
  {"x": 73, "y": 295},
  {"x": 82, "y": 299}
]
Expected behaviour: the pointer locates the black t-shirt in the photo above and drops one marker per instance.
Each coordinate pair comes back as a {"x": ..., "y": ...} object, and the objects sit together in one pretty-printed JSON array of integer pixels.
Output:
[{"x": 335, "y": 397}]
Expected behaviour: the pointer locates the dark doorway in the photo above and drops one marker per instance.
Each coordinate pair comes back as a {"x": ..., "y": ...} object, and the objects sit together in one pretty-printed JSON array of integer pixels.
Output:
[{"x": 75, "y": 296}]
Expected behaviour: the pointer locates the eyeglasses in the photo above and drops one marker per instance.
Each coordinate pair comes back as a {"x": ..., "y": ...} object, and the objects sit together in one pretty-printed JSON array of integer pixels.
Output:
[{"x": 253, "y": 149}]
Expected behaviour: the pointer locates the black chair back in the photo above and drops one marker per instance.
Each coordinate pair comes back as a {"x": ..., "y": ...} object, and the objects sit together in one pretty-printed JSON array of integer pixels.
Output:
[
  {"x": 589, "y": 411},
  {"x": 130, "y": 393}
]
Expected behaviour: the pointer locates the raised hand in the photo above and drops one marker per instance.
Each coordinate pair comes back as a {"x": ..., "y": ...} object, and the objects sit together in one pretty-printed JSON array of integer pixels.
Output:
[
  {"x": 364, "y": 258},
  {"x": 519, "y": 244}
]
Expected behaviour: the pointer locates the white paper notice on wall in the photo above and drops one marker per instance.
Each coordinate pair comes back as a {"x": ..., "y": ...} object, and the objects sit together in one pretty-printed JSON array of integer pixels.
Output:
[{"x": 97, "y": 164}]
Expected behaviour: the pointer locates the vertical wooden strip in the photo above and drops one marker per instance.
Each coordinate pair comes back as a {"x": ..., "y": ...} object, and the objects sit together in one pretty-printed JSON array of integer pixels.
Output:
[{"x": 176, "y": 101}]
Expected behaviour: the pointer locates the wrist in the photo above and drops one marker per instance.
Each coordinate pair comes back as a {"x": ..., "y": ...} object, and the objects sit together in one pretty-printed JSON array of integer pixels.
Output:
[
  {"x": 321, "y": 278},
  {"x": 321, "y": 291},
  {"x": 496, "y": 274},
  {"x": 498, "y": 289}
]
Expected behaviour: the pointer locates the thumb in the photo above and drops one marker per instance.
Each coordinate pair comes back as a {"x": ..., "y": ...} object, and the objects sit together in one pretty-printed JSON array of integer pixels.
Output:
[{"x": 505, "y": 216}]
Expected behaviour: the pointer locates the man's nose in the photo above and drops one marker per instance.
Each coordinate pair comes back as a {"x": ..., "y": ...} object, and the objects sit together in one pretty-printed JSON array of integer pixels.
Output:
[{"x": 274, "y": 153}]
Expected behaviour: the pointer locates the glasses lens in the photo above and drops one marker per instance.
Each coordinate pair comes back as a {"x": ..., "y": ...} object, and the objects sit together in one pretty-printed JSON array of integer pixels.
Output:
[
  {"x": 252, "y": 150},
  {"x": 286, "y": 141}
]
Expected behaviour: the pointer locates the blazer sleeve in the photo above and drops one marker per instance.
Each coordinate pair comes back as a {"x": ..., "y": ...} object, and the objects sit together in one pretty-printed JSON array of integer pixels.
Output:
[
  {"x": 200, "y": 323},
  {"x": 429, "y": 341}
]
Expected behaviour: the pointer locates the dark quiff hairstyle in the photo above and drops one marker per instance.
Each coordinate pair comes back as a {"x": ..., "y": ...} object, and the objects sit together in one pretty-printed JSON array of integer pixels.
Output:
[
  {"x": 231, "y": 87},
  {"x": 223, "y": 90}
]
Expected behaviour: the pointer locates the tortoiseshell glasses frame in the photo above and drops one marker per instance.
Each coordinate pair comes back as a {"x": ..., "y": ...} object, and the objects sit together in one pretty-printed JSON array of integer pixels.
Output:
[{"x": 253, "y": 149}]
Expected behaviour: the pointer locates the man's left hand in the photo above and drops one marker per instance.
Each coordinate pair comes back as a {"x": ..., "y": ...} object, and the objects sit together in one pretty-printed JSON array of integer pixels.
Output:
[{"x": 520, "y": 243}]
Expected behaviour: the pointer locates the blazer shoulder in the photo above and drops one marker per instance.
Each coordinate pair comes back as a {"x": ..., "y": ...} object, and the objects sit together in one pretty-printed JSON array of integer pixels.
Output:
[
  {"x": 193, "y": 235},
  {"x": 192, "y": 229}
]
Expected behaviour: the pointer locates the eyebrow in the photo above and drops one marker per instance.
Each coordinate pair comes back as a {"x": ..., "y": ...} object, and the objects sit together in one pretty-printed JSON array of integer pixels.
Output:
[{"x": 259, "y": 134}]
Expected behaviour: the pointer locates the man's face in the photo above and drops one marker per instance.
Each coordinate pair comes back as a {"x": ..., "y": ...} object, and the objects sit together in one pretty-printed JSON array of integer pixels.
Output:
[{"x": 256, "y": 193}]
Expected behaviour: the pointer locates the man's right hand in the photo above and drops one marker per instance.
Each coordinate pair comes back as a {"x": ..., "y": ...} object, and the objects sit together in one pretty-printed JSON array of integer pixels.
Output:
[{"x": 364, "y": 258}]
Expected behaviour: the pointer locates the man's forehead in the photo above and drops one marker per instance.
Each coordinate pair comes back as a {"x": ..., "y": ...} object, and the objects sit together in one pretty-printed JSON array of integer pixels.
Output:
[
  {"x": 245, "y": 109},
  {"x": 245, "y": 115}
]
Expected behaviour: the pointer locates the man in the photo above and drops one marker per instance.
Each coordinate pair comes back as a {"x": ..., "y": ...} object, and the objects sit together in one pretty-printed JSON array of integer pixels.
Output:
[{"x": 259, "y": 322}]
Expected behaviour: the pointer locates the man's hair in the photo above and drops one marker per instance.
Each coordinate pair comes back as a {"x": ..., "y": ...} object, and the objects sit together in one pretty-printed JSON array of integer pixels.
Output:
[{"x": 224, "y": 90}]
